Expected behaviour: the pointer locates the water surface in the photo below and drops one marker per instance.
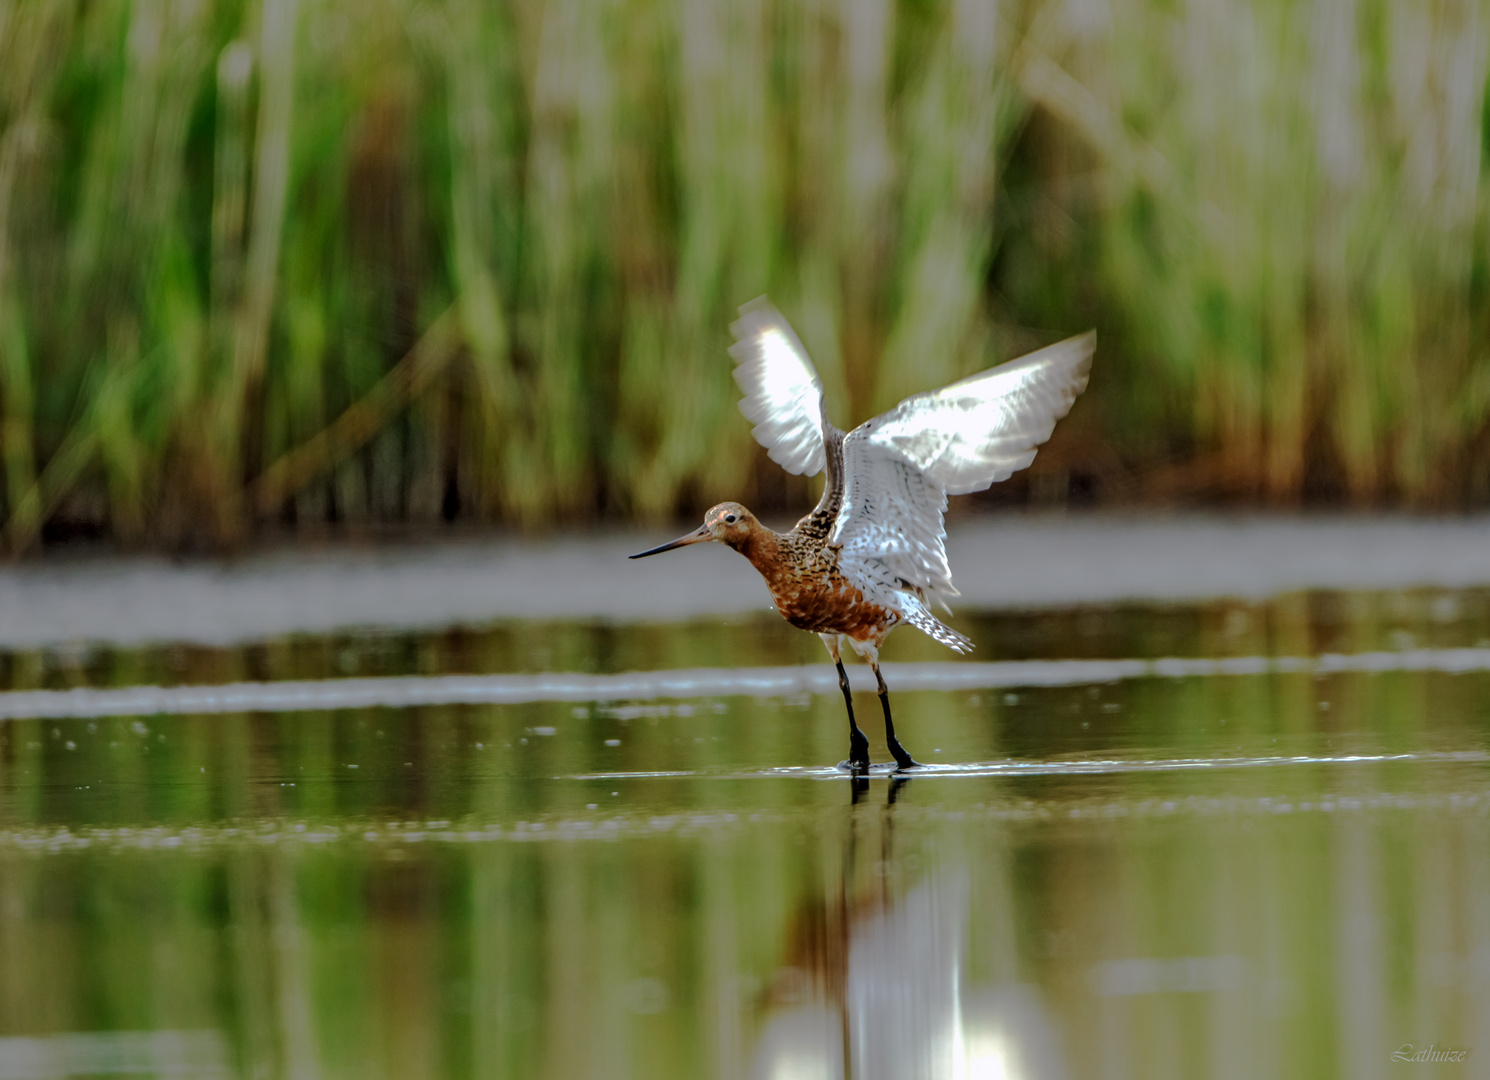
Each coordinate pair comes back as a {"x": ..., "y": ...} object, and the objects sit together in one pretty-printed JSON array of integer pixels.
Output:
[{"x": 1269, "y": 858}]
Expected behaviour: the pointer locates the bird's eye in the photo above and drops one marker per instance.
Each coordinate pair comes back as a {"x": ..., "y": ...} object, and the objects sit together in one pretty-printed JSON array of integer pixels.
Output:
[{"x": 729, "y": 519}]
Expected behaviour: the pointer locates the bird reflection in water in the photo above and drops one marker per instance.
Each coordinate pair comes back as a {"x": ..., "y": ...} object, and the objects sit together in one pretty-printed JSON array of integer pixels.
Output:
[{"x": 875, "y": 982}]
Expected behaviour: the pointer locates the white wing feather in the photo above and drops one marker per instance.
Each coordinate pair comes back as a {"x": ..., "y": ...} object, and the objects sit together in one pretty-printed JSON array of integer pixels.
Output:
[
  {"x": 900, "y": 466},
  {"x": 783, "y": 395}
]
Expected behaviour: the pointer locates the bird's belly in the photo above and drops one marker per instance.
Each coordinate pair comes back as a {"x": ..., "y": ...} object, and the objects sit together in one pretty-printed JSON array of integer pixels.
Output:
[{"x": 836, "y": 610}]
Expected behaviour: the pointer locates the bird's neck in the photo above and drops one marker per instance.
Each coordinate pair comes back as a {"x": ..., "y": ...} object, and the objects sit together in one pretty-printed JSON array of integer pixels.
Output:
[{"x": 762, "y": 546}]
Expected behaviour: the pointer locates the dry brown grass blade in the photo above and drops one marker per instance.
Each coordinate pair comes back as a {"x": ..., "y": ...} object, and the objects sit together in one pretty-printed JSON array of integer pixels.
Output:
[{"x": 364, "y": 418}]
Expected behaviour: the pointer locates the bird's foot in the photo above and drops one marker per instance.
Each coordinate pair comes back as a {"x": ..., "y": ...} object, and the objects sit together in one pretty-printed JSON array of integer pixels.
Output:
[
  {"x": 858, "y": 752},
  {"x": 903, "y": 760}
]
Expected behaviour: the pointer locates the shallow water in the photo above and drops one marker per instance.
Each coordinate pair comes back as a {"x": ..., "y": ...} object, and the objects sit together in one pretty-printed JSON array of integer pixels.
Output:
[{"x": 549, "y": 849}]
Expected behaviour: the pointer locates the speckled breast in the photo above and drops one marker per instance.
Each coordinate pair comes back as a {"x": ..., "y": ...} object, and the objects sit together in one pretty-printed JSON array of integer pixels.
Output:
[{"x": 816, "y": 597}]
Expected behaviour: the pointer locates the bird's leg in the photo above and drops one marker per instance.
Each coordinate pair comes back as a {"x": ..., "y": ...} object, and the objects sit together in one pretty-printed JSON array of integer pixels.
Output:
[
  {"x": 858, "y": 745},
  {"x": 902, "y": 759}
]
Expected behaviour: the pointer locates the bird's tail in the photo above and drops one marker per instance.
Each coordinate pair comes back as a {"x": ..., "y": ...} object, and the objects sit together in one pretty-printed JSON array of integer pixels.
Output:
[{"x": 918, "y": 616}]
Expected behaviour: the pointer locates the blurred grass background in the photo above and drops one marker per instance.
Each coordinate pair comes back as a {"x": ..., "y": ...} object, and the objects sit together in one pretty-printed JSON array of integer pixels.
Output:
[{"x": 299, "y": 263}]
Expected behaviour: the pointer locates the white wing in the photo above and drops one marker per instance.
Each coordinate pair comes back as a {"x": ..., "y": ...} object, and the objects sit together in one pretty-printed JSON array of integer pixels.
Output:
[
  {"x": 900, "y": 466},
  {"x": 890, "y": 524},
  {"x": 783, "y": 395}
]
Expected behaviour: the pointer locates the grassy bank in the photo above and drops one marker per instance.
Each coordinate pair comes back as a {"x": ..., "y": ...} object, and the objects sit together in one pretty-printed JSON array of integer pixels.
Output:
[{"x": 314, "y": 261}]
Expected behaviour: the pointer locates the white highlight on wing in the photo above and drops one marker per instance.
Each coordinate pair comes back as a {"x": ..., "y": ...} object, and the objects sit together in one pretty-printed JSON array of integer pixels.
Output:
[
  {"x": 783, "y": 395},
  {"x": 900, "y": 466}
]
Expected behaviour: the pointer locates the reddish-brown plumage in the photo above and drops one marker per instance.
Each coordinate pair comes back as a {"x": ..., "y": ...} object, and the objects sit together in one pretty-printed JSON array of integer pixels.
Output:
[{"x": 801, "y": 570}]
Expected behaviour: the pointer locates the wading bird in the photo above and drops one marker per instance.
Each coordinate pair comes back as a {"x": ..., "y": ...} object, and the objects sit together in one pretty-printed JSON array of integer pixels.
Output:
[{"x": 872, "y": 554}]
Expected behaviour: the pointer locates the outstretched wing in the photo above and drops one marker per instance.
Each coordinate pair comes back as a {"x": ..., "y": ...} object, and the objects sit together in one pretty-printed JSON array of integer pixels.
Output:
[
  {"x": 900, "y": 466},
  {"x": 783, "y": 395}
]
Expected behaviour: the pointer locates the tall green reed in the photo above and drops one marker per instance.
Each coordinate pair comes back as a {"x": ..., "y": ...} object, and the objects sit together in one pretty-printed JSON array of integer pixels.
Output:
[
  {"x": 229, "y": 231},
  {"x": 1293, "y": 241}
]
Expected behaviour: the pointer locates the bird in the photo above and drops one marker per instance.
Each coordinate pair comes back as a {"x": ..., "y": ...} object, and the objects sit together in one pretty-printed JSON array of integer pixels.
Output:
[{"x": 872, "y": 554}]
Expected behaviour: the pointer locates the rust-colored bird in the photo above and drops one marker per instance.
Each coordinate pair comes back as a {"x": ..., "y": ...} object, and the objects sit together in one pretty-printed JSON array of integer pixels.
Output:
[{"x": 872, "y": 553}]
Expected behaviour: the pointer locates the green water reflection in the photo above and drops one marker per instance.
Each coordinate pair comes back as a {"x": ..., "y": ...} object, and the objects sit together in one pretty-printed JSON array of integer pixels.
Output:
[{"x": 484, "y": 891}]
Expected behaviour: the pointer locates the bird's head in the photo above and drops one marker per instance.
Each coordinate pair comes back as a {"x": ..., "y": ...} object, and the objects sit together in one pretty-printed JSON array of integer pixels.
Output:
[{"x": 728, "y": 523}]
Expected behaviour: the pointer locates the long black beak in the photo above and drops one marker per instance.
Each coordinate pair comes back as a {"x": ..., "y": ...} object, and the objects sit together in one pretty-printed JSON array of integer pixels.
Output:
[{"x": 692, "y": 538}]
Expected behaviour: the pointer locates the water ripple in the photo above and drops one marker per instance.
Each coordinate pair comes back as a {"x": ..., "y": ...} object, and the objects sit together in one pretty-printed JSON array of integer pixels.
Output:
[
  {"x": 1069, "y": 767},
  {"x": 408, "y": 691},
  {"x": 382, "y": 834}
]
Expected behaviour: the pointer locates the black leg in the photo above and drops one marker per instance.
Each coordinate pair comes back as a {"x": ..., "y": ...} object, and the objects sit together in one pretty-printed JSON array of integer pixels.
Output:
[
  {"x": 902, "y": 759},
  {"x": 858, "y": 745}
]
